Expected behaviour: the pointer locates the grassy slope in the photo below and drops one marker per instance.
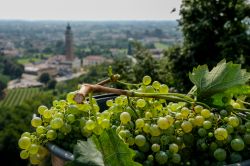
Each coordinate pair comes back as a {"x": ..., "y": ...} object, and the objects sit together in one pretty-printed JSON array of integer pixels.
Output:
[{"x": 17, "y": 96}]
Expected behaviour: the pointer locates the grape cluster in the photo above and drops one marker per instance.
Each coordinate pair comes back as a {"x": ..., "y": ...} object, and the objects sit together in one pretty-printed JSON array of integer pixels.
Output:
[{"x": 161, "y": 132}]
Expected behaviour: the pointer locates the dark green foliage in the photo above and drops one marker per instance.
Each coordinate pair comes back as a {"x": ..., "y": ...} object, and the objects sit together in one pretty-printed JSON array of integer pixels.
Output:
[
  {"x": 215, "y": 29},
  {"x": 44, "y": 78},
  {"x": 52, "y": 84}
]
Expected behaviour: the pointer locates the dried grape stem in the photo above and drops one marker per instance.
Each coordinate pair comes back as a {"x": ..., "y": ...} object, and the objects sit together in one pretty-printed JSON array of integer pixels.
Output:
[{"x": 87, "y": 88}]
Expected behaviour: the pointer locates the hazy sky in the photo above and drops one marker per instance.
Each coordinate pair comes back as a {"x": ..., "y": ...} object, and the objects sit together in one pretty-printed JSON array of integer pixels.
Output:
[{"x": 89, "y": 9}]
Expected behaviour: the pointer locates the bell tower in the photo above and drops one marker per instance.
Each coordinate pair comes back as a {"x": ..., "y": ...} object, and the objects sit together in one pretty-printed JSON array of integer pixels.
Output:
[{"x": 69, "y": 43}]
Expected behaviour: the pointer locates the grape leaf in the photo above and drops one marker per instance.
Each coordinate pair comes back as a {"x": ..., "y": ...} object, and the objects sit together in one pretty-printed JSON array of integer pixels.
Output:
[
  {"x": 104, "y": 150},
  {"x": 86, "y": 154},
  {"x": 221, "y": 78},
  {"x": 114, "y": 150},
  {"x": 229, "y": 94}
]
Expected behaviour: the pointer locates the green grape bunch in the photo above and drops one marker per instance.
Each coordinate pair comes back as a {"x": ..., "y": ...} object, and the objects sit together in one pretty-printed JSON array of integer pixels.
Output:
[{"x": 163, "y": 128}]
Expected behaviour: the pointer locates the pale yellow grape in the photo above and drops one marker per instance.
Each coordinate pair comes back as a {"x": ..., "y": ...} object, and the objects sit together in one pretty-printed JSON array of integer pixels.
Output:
[
  {"x": 125, "y": 117},
  {"x": 187, "y": 126},
  {"x": 163, "y": 123},
  {"x": 148, "y": 115},
  {"x": 155, "y": 130},
  {"x": 198, "y": 108},
  {"x": 40, "y": 130},
  {"x": 105, "y": 123},
  {"x": 35, "y": 159},
  {"x": 47, "y": 114},
  {"x": 140, "y": 103},
  {"x": 41, "y": 109},
  {"x": 51, "y": 135},
  {"x": 163, "y": 88},
  {"x": 24, "y": 154},
  {"x": 36, "y": 121},
  {"x": 90, "y": 124},
  {"x": 185, "y": 112},
  {"x": 156, "y": 85},
  {"x": 233, "y": 121},
  {"x": 173, "y": 148},
  {"x": 56, "y": 123},
  {"x": 170, "y": 119},
  {"x": 198, "y": 120},
  {"x": 33, "y": 148},
  {"x": 139, "y": 123},
  {"x": 146, "y": 80},
  {"x": 220, "y": 134},
  {"x": 24, "y": 142},
  {"x": 146, "y": 128},
  {"x": 205, "y": 113}
]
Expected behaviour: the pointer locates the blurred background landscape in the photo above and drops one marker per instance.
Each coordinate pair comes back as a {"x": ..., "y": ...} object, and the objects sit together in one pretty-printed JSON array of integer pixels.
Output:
[{"x": 49, "y": 48}]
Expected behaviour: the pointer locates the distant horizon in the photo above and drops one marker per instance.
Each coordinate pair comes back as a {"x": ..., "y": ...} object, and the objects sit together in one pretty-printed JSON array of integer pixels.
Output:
[{"x": 62, "y": 20}]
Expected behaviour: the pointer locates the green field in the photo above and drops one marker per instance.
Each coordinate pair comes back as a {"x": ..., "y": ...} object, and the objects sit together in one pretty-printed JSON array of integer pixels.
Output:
[
  {"x": 161, "y": 45},
  {"x": 15, "y": 97}
]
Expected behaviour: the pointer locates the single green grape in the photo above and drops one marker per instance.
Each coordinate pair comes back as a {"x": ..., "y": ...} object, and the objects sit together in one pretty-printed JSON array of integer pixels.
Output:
[
  {"x": 56, "y": 123},
  {"x": 156, "y": 85},
  {"x": 109, "y": 103},
  {"x": 207, "y": 124},
  {"x": 71, "y": 118},
  {"x": 154, "y": 130},
  {"x": 185, "y": 112},
  {"x": 105, "y": 123},
  {"x": 41, "y": 109},
  {"x": 220, "y": 154},
  {"x": 176, "y": 158},
  {"x": 24, "y": 142},
  {"x": 40, "y": 130},
  {"x": 146, "y": 80},
  {"x": 139, "y": 123},
  {"x": 155, "y": 147},
  {"x": 237, "y": 144},
  {"x": 51, "y": 135},
  {"x": 36, "y": 121},
  {"x": 140, "y": 103},
  {"x": 233, "y": 121},
  {"x": 198, "y": 120},
  {"x": 202, "y": 132},
  {"x": 198, "y": 109},
  {"x": 205, "y": 113},
  {"x": 235, "y": 157},
  {"x": 33, "y": 149},
  {"x": 47, "y": 114},
  {"x": 148, "y": 115},
  {"x": 90, "y": 124},
  {"x": 125, "y": 117},
  {"x": 24, "y": 154},
  {"x": 146, "y": 128},
  {"x": 221, "y": 134},
  {"x": 161, "y": 157},
  {"x": 163, "y": 88},
  {"x": 186, "y": 126},
  {"x": 140, "y": 140},
  {"x": 163, "y": 123},
  {"x": 173, "y": 148}
]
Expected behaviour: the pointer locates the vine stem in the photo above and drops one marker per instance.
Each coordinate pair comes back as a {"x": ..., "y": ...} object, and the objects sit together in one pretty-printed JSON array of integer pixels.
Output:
[{"x": 87, "y": 88}]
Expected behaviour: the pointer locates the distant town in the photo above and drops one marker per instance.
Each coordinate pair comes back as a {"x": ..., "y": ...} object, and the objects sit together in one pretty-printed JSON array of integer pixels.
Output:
[{"x": 66, "y": 50}]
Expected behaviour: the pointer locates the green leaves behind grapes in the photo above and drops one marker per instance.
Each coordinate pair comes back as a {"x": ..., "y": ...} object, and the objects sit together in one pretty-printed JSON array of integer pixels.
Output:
[{"x": 221, "y": 78}]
